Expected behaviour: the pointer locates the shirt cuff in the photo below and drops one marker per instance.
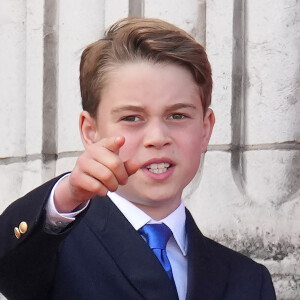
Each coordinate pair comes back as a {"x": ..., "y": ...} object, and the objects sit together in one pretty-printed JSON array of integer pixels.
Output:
[{"x": 56, "y": 221}]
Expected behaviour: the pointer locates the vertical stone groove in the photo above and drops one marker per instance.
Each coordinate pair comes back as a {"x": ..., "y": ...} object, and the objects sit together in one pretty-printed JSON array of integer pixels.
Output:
[
  {"x": 49, "y": 144},
  {"x": 136, "y": 8},
  {"x": 238, "y": 95},
  {"x": 201, "y": 36}
]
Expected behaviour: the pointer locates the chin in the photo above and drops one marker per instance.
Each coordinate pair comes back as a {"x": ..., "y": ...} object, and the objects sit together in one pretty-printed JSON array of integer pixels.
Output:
[
  {"x": 158, "y": 199},
  {"x": 151, "y": 196}
]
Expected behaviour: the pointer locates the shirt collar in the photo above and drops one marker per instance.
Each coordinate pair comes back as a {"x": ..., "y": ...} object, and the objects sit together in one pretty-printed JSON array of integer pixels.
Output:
[{"x": 138, "y": 218}]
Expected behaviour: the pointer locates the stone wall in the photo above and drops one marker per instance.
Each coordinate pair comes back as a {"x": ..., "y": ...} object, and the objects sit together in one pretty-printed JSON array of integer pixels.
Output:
[{"x": 247, "y": 195}]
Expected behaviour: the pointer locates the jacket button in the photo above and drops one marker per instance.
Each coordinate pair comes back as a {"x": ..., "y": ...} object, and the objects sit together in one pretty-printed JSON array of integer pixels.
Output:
[
  {"x": 23, "y": 227},
  {"x": 17, "y": 232}
]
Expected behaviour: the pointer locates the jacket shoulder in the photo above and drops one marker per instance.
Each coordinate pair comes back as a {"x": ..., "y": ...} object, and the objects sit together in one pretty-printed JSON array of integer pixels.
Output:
[{"x": 243, "y": 269}]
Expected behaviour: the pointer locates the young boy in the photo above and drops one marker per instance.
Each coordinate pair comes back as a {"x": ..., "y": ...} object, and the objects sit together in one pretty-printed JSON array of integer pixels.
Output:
[{"x": 146, "y": 90}]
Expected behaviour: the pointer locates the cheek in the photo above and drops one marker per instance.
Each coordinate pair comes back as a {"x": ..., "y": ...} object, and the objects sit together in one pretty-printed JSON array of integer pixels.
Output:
[
  {"x": 192, "y": 157},
  {"x": 191, "y": 142},
  {"x": 191, "y": 150}
]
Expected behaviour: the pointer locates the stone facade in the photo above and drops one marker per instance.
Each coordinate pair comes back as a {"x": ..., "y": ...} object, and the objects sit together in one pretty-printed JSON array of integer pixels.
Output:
[{"x": 247, "y": 194}]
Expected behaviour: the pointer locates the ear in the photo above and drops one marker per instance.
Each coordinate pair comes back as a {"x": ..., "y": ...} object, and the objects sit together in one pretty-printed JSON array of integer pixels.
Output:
[
  {"x": 88, "y": 129},
  {"x": 208, "y": 125}
]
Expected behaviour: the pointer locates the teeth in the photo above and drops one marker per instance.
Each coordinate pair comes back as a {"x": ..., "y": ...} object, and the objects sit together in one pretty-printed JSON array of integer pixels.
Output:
[
  {"x": 158, "y": 171},
  {"x": 158, "y": 168}
]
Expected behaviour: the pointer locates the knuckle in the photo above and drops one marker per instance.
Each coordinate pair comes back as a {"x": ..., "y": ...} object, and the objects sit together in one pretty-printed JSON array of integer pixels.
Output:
[
  {"x": 102, "y": 191},
  {"x": 81, "y": 161},
  {"x": 115, "y": 164},
  {"x": 107, "y": 176},
  {"x": 113, "y": 187},
  {"x": 123, "y": 180},
  {"x": 95, "y": 186}
]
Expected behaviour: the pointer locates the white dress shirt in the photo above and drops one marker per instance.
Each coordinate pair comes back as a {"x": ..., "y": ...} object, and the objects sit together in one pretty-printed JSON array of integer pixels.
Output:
[
  {"x": 176, "y": 246},
  {"x": 56, "y": 221}
]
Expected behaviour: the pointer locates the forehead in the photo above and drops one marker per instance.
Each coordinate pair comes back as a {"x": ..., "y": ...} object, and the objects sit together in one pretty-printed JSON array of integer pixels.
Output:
[{"x": 142, "y": 81}]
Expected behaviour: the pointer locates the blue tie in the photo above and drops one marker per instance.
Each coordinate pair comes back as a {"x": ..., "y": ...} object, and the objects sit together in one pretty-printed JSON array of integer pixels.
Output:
[{"x": 157, "y": 236}]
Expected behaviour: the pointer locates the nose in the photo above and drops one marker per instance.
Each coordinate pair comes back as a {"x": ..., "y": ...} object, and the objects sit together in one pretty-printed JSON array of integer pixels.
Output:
[{"x": 157, "y": 134}]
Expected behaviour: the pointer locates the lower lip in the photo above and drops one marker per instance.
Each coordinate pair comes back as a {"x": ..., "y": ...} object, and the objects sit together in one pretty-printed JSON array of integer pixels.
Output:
[{"x": 159, "y": 177}]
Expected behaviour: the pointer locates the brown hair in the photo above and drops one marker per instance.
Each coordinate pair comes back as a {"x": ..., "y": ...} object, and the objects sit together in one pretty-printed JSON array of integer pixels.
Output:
[{"x": 133, "y": 39}]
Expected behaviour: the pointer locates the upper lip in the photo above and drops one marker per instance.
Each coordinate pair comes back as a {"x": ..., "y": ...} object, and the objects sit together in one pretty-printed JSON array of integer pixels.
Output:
[{"x": 158, "y": 161}]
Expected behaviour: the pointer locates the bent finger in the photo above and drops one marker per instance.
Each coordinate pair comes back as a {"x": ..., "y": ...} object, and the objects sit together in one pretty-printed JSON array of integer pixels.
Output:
[
  {"x": 131, "y": 166},
  {"x": 102, "y": 174}
]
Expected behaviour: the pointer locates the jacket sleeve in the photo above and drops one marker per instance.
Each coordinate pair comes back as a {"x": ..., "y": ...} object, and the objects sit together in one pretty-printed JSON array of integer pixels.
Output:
[{"x": 28, "y": 263}]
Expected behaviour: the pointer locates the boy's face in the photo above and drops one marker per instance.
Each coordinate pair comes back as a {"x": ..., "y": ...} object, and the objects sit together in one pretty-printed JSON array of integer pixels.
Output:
[{"x": 157, "y": 108}]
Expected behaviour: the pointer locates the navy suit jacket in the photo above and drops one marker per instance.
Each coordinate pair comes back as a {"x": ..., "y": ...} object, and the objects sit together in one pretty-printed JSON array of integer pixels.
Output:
[{"x": 101, "y": 256}]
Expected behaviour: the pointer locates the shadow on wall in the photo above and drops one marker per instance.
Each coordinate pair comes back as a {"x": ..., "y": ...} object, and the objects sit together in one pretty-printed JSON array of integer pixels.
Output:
[{"x": 263, "y": 173}]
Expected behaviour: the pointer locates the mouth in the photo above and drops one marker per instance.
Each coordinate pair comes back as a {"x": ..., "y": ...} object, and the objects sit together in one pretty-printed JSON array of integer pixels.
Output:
[
  {"x": 158, "y": 168},
  {"x": 159, "y": 165}
]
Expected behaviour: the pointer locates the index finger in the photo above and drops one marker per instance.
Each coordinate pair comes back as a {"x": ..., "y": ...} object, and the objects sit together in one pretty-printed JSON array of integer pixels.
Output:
[{"x": 113, "y": 143}]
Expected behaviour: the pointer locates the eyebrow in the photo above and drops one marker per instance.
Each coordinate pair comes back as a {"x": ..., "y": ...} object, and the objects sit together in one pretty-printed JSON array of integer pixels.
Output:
[
  {"x": 180, "y": 106},
  {"x": 142, "y": 108},
  {"x": 128, "y": 107}
]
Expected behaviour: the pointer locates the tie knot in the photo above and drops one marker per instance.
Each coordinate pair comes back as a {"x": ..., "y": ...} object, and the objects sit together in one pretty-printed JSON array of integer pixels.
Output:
[{"x": 156, "y": 235}]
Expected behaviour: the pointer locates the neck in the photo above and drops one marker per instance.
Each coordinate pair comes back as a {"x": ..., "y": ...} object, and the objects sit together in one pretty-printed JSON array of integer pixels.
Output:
[{"x": 158, "y": 212}]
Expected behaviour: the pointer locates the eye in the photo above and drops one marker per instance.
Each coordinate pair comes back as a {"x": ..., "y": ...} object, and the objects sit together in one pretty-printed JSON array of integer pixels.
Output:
[
  {"x": 178, "y": 116},
  {"x": 131, "y": 119}
]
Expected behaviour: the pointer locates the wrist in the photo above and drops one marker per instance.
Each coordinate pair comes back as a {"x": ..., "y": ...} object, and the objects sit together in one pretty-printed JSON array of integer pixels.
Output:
[{"x": 64, "y": 199}]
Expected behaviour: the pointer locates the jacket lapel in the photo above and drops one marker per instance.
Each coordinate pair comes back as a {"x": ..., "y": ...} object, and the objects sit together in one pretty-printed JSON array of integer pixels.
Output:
[
  {"x": 207, "y": 274},
  {"x": 130, "y": 252}
]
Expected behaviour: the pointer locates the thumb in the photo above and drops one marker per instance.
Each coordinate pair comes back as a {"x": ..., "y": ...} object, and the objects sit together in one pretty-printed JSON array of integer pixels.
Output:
[{"x": 131, "y": 166}]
